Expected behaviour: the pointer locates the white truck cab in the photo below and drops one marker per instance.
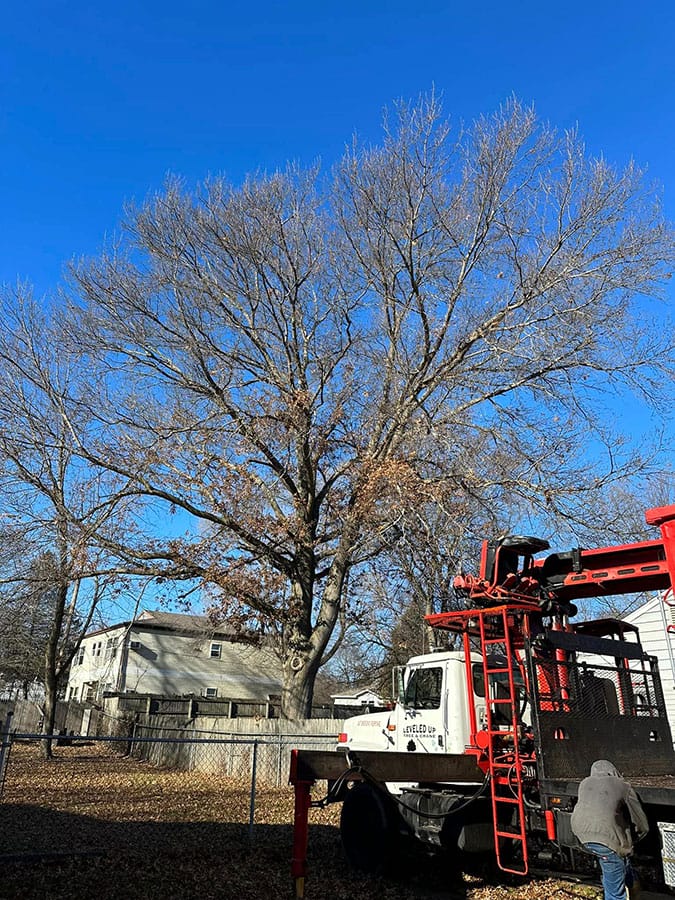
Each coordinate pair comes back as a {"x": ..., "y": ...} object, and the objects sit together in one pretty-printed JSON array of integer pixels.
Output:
[{"x": 431, "y": 713}]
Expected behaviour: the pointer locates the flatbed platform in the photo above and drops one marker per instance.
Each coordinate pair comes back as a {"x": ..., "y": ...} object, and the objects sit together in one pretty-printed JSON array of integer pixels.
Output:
[
  {"x": 653, "y": 790},
  {"x": 453, "y": 768},
  {"x": 317, "y": 765}
]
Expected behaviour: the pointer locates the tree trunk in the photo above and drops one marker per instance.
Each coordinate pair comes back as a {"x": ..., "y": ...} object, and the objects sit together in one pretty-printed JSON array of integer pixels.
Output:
[
  {"x": 306, "y": 644},
  {"x": 49, "y": 717},
  {"x": 52, "y": 672},
  {"x": 297, "y": 693}
]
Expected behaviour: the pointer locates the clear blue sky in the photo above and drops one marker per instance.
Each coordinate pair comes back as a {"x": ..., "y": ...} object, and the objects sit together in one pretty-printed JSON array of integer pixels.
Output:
[{"x": 99, "y": 101}]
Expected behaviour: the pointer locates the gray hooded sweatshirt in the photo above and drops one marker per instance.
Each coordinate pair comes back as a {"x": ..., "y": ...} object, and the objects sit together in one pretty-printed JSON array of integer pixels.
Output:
[{"x": 606, "y": 807}]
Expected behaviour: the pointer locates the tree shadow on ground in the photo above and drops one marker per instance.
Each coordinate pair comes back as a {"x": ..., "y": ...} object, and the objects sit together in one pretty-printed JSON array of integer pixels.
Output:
[{"x": 47, "y": 853}]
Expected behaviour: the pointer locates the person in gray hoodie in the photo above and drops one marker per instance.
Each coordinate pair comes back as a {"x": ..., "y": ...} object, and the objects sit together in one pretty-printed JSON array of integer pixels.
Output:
[{"x": 602, "y": 819}]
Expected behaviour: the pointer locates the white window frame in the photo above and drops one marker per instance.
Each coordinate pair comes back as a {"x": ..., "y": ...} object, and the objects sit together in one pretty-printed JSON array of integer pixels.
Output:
[
  {"x": 90, "y": 692},
  {"x": 210, "y": 693},
  {"x": 216, "y": 651}
]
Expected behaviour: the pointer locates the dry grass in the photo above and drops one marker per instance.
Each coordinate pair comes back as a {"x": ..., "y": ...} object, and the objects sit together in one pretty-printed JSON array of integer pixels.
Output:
[{"x": 91, "y": 824}]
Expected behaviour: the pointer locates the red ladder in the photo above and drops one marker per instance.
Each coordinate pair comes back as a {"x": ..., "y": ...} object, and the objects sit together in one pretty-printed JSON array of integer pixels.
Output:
[{"x": 505, "y": 766}]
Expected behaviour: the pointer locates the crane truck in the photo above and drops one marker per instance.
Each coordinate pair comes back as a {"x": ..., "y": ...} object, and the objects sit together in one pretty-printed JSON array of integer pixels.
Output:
[{"x": 486, "y": 744}]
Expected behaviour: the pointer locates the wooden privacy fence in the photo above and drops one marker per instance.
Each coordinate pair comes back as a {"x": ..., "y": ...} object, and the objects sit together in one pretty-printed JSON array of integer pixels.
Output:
[
  {"x": 228, "y": 753},
  {"x": 77, "y": 718},
  {"x": 119, "y": 711}
]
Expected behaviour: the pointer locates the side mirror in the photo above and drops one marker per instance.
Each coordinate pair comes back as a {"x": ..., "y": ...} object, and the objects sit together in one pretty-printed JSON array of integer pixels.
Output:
[{"x": 397, "y": 684}]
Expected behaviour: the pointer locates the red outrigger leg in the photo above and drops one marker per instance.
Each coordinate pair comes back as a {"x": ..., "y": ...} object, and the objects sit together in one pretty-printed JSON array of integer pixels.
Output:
[{"x": 303, "y": 801}]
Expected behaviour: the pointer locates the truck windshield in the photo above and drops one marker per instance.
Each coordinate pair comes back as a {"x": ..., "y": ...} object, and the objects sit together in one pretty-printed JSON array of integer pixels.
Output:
[{"x": 423, "y": 690}]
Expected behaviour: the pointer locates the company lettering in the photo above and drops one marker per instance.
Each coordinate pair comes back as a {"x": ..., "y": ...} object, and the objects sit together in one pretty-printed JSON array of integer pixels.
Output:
[{"x": 419, "y": 729}]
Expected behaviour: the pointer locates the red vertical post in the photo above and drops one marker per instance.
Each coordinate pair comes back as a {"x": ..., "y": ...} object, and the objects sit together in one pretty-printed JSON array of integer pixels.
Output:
[
  {"x": 470, "y": 699},
  {"x": 562, "y": 671},
  {"x": 300, "y": 836},
  {"x": 664, "y": 518},
  {"x": 549, "y": 818}
]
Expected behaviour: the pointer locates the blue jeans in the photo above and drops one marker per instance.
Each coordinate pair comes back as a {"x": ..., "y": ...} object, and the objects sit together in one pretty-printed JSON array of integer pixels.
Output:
[{"x": 617, "y": 873}]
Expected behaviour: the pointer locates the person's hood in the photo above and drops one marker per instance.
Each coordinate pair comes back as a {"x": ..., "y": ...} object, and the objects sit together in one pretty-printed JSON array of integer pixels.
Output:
[{"x": 604, "y": 767}]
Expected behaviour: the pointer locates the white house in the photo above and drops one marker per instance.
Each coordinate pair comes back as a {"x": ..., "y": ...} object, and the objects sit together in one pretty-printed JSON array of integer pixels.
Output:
[
  {"x": 652, "y": 620},
  {"x": 170, "y": 654},
  {"x": 360, "y": 699}
]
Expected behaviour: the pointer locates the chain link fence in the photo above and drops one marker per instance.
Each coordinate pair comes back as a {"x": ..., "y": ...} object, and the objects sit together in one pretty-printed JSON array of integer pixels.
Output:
[
  {"x": 223, "y": 754},
  {"x": 160, "y": 787}
]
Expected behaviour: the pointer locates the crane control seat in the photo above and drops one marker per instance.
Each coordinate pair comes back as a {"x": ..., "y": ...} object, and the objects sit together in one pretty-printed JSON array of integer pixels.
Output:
[{"x": 507, "y": 571}]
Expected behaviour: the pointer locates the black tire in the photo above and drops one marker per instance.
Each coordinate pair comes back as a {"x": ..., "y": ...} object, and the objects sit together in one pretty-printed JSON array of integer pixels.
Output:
[{"x": 369, "y": 830}]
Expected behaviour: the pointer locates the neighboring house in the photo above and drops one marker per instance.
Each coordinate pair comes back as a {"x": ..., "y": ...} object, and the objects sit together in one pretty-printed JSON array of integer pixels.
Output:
[
  {"x": 360, "y": 699},
  {"x": 170, "y": 654},
  {"x": 652, "y": 620}
]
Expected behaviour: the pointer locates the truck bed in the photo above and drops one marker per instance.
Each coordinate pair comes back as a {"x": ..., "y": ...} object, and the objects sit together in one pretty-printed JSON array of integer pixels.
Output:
[
  {"x": 315, "y": 765},
  {"x": 653, "y": 790}
]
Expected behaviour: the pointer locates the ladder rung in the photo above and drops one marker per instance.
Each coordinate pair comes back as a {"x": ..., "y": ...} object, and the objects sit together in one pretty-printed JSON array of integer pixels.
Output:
[
  {"x": 506, "y": 800},
  {"x": 505, "y": 700},
  {"x": 513, "y": 835},
  {"x": 522, "y": 871}
]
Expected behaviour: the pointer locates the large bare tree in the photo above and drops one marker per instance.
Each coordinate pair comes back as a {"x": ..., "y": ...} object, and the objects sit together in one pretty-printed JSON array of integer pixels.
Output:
[{"x": 279, "y": 363}]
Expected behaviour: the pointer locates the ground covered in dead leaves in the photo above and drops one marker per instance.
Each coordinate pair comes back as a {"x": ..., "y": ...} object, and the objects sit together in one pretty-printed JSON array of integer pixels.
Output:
[{"x": 92, "y": 824}]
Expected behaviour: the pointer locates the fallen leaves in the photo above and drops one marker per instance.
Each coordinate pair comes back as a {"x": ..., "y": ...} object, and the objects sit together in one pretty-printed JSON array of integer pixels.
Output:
[{"x": 94, "y": 824}]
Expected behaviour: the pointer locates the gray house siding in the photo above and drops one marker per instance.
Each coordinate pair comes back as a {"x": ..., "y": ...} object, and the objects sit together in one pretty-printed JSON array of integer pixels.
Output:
[
  {"x": 652, "y": 620},
  {"x": 171, "y": 655}
]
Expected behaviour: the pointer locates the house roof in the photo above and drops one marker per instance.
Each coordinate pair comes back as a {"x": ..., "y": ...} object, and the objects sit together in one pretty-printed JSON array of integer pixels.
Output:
[
  {"x": 354, "y": 696},
  {"x": 663, "y": 601},
  {"x": 175, "y": 621},
  {"x": 180, "y": 622}
]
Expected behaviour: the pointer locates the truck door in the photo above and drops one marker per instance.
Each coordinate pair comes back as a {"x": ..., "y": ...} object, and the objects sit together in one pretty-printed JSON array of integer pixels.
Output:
[{"x": 421, "y": 720}]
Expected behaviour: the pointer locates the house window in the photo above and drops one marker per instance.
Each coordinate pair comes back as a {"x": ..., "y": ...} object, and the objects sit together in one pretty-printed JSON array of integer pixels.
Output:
[
  {"x": 96, "y": 648},
  {"x": 80, "y": 657},
  {"x": 216, "y": 651},
  {"x": 90, "y": 692},
  {"x": 111, "y": 648},
  {"x": 210, "y": 693}
]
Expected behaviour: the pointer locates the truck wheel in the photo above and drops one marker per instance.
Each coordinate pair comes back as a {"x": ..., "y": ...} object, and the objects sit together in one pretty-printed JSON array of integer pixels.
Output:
[{"x": 368, "y": 830}]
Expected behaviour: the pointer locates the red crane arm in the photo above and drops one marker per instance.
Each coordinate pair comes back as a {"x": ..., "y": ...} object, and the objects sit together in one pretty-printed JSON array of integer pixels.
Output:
[
  {"x": 510, "y": 574},
  {"x": 623, "y": 569}
]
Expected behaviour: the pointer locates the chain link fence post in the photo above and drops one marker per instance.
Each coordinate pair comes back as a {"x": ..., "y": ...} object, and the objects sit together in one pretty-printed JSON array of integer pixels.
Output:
[
  {"x": 251, "y": 815},
  {"x": 192, "y": 765},
  {"x": 5, "y": 746}
]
